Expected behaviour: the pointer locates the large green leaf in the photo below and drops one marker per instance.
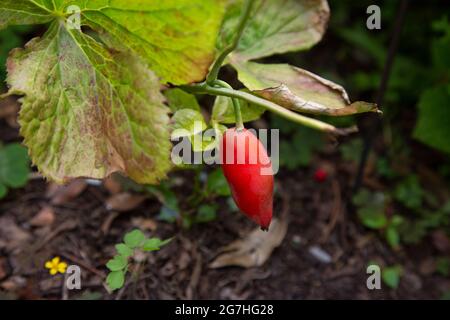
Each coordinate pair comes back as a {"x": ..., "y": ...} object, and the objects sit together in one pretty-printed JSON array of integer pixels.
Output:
[
  {"x": 223, "y": 111},
  {"x": 298, "y": 89},
  {"x": 432, "y": 126},
  {"x": 16, "y": 12},
  {"x": 178, "y": 99},
  {"x": 175, "y": 37},
  {"x": 14, "y": 166},
  {"x": 87, "y": 111},
  {"x": 276, "y": 26},
  {"x": 187, "y": 122}
]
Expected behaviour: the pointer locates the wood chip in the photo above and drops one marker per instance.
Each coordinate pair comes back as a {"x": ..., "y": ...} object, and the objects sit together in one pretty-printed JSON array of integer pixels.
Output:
[
  {"x": 124, "y": 201},
  {"x": 45, "y": 217},
  {"x": 62, "y": 194}
]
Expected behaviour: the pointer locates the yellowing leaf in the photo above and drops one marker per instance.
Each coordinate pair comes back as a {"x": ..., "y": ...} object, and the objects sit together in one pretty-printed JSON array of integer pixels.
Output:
[
  {"x": 176, "y": 38},
  {"x": 276, "y": 27},
  {"x": 298, "y": 89},
  {"x": 18, "y": 12},
  {"x": 89, "y": 112}
]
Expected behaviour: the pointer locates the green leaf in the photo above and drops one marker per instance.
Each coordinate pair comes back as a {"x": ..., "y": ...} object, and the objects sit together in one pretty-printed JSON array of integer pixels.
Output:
[
  {"x": 371, "y": 209},
  {"x": 14, "y": 165},
  {"x": 168, "y": 215},
  {"x": 409, "y": 192},
  {"x": 372, "y": 217},
  {"x": 19, "y": 12},
  {"x": 90, "y": 295},
  {"x": 232, "y": 204},
  {"x": 276, "y": 27},
  {"x": 217, "y": 183},
  {"x": 392, "y": 236},
  {"x": 134, "y": 238},
  {"x": 206, "y": 213},
  {"x": 391, "y": 276},
  {"x": 87, "y": 111},
  {"x": 443, "y": 266},
  {"x": 203, "y": 142},
  {"x": 175, "y": 38},
  {"x": 153, "y": 244},
  {"x": 223, "y": 111},
  {"x": 124, "y": 250},
  {"x": 191, "y": 124},
  {"x": 165, "y": 195},
  {"x": 115, "y": 280},
  {"x": 298, "y": 89},
  {"x": 300, "y": 149},
  {"x": 117, "y": 263},
  {"x": 165, "y": 242},
  {"x": 432, "y": 125},
  {"x": 3, "y": 190},
  {"x": 179, "y": 99},
  {"x": 187, "y": 122}
]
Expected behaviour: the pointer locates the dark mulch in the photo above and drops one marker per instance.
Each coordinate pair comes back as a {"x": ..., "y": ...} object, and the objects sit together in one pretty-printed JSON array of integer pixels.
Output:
[{"x": 318, "y": 218}]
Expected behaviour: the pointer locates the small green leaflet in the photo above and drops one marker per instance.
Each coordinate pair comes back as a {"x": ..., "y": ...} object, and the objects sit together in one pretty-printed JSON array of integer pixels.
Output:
[
  {"x": 116, "y": 279},
  {"x": 14, "y": 167},
  {"x": 124, "y": 250},
  {"x": 118, "y": 265},
  {"x": 134, "y": 238},
  {"x": 177, "y": 99},
  {"x": 433, "y": 126}
]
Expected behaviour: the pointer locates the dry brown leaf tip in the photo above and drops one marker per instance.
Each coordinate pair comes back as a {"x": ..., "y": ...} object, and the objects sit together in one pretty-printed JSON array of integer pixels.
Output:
[{"x": 253, "y": 250}]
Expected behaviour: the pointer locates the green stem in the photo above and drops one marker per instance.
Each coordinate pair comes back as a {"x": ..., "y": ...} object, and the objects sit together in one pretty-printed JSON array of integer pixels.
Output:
[
  {"x": 203, "y": 88},
  {"x": 214, "y": 73},
  {"x": 236, "y": 104}
]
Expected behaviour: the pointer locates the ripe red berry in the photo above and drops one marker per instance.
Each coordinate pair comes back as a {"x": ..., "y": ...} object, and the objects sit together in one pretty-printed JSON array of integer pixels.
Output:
[
  {"x": 248, "y": 170},
  {"x": 320, "y": 175}
]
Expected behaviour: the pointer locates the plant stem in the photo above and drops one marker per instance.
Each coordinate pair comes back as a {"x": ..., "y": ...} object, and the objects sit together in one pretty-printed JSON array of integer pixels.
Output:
[
  {"x": 288, "y": 114},
  {"x": 236, "y": 105},
  {"x": 214, "y": 73}
]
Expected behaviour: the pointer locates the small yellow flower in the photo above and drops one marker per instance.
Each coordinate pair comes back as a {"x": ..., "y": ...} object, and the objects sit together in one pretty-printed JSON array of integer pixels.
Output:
[{"x": 55, "y": 266}]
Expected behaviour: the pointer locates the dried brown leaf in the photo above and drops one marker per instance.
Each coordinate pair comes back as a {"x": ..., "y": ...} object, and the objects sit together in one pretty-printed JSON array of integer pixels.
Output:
[
  {"x": 124, "y": 201},
  {"x": 254, "y": 250},
  {"x": 45, "y": 217},
  {"x": 61, "y": 194}
]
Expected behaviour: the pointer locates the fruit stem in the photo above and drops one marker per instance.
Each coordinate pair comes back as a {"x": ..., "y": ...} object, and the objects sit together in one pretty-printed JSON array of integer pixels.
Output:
[
  {"x": 236, "y": 104},
  {"x": 214, "y": 73},
  {"x": 203, "y": 88}
]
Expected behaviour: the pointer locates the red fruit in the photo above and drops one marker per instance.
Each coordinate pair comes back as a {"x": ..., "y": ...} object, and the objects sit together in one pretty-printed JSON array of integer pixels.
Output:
[
  {"x": 320, "y": 175},
  {"x": 248, "y": 170}
]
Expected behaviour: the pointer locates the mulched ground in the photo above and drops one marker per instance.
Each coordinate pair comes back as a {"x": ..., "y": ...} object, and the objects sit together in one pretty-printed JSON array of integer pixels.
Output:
[{"x": 84, "y": 232}]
